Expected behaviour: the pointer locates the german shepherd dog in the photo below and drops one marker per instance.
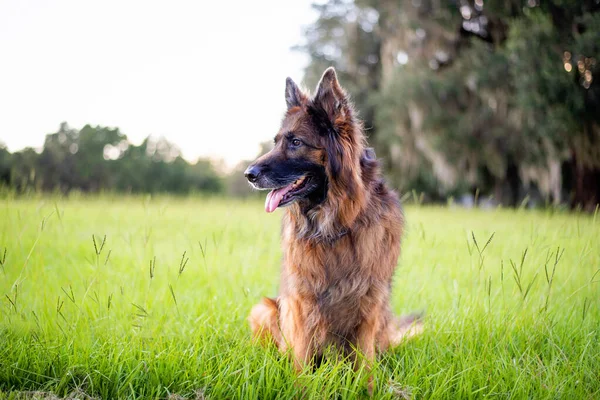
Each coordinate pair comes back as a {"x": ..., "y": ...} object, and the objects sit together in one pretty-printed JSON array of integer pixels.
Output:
[{"x": 341, "y": 233}]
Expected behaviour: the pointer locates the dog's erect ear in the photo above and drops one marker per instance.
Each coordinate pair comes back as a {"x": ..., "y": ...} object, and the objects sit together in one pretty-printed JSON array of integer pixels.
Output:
[
  {"x": 330, "y": 95},
  {"x": 293, "y": 95}
]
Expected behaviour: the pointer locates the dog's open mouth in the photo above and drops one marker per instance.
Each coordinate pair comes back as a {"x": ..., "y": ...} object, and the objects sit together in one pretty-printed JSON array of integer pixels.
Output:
[{"x": 285, "y": 195}]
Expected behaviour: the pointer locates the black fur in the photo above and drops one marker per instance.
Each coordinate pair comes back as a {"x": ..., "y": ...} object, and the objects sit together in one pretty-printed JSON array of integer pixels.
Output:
[
  {"x": 321, "y": 119},
  {"x": 279, "y": 173},
  {"x": 325, "y": 128}
]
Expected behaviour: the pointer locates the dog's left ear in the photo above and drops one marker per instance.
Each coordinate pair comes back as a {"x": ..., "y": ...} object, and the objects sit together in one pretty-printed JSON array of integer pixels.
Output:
[
  {"x": 330, "y": 95},
  {"x": 293, "y": 95}
]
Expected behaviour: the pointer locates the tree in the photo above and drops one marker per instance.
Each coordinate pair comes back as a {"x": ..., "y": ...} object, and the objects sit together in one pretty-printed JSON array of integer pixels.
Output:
[
  {"x": 473, "y": 95},
  {"x": 23, "y": 170},
  {"x": 5, "y": 162},
  {"x": 558, "y": 99},
  {"x": 100, "y": 158}
]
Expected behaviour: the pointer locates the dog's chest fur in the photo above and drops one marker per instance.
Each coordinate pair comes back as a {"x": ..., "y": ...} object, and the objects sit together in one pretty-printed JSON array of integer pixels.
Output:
[{"x": 338, "y": 282}]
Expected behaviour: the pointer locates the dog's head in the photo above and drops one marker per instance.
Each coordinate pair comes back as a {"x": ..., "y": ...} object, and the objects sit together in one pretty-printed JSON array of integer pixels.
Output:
[{"x": 316, "y": 150}]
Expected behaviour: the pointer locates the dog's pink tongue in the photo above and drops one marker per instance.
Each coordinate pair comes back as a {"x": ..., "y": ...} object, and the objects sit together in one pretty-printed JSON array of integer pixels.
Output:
[{"x": 274, "y": 198}]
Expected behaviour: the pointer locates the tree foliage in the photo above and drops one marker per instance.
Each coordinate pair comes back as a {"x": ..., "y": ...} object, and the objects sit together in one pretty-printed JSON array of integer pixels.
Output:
[
  {"x": 495, "y": 96},
  {"x": 98, "y": 158}
]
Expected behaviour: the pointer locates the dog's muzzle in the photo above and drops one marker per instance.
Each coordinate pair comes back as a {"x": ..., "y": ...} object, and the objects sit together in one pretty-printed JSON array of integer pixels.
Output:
[{"x": 252, "y": 173}]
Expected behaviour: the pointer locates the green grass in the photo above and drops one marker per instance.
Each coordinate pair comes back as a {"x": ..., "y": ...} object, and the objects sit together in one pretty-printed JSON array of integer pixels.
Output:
[{"x": 156, "y": 308}]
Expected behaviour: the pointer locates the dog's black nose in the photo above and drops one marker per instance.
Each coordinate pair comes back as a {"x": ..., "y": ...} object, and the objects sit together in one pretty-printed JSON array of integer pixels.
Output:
[{"x": 252, "y": 173}]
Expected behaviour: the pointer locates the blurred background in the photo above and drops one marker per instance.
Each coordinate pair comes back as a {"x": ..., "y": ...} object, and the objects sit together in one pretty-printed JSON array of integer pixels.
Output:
[{"x": 484, "y": 102}]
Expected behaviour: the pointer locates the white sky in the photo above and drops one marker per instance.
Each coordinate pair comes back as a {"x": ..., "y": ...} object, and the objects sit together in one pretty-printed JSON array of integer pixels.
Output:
[{"x": 207, "y": 75}]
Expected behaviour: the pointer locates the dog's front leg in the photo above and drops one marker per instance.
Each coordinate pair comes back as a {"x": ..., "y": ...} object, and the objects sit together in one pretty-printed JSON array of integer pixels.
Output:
[
  {"x": 367, "y": 334},
  {"x": 297, "y": 336}
]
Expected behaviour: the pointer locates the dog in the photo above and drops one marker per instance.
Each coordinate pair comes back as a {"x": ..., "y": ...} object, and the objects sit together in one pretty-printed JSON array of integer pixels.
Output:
[{"x": 341, "y": 233}]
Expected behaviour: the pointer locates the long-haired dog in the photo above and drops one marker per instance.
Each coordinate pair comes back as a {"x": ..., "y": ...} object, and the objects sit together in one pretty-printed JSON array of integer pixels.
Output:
[{"x": 341, "y": 232}]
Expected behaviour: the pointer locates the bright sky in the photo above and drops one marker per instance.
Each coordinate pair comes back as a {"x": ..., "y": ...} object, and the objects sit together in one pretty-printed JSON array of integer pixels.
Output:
[{"x": 207, "y": 75}]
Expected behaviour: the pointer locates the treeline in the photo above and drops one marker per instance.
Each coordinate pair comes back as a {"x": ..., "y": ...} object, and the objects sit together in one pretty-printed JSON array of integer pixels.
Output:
[
  {"x": 98, "y": 158},
  {"x": 495, "y": 97}
]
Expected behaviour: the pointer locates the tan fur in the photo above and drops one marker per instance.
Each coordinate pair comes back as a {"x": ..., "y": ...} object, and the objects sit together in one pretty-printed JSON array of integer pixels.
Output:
[{"x": 338, "y": 257}]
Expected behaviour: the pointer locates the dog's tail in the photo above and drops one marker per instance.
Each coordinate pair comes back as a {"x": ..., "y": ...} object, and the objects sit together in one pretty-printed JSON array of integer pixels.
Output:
[{"x": 405, "y": 327}]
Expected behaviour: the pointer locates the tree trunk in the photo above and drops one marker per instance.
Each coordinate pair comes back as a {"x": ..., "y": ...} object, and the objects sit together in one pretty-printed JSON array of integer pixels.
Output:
[
  {"x": 586, "y": 194},
  {"x": 514, "y": 183}
]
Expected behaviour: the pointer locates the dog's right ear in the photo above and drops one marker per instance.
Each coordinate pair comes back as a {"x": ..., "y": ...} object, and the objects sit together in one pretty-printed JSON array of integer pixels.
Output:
[
  {"x": 293, "y": 95},
  {"x": 330, "y": 96}
]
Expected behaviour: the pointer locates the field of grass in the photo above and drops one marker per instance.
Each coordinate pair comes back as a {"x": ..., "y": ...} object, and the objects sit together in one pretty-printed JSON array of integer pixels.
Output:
[{"x": 145, "y": 297}]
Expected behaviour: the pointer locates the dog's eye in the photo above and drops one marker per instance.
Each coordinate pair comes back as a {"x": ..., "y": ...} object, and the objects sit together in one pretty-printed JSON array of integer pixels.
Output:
[{"x": 296, "y": 142}]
